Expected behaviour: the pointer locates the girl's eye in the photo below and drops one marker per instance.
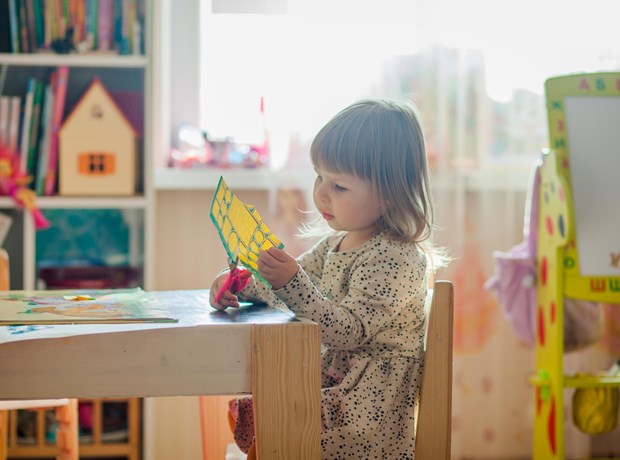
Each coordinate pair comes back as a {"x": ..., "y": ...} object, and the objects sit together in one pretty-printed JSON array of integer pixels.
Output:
[{"x": 340, "y": 188}]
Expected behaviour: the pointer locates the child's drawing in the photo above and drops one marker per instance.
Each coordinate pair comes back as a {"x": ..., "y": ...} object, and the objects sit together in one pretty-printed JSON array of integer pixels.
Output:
[{"x": 64, "y": 307}]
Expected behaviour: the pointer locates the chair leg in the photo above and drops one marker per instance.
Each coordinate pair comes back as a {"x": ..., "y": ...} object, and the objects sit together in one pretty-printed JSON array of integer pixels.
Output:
[
  {"x": 4, "y": 433},
  {"x": 67, "y": 434}
]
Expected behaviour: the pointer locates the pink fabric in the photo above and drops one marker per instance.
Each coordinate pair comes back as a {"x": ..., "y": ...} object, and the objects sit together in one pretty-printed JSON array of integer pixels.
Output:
[{"x": 514, "y": 281}]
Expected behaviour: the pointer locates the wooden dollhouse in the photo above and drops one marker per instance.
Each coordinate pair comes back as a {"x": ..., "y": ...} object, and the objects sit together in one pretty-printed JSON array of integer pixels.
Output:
[
  {"x": 578, "y": 235},
  {"x": 97, "y": 147}
]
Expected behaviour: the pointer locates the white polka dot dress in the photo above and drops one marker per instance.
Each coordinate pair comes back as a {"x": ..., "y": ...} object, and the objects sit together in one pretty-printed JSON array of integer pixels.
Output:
[{"x": 369, "y": 302}]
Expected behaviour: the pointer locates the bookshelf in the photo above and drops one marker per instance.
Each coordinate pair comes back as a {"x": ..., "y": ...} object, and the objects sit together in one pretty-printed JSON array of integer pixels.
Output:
[
  {"x": 108, "y": 428},
  {"x": 126, "y": 68}
]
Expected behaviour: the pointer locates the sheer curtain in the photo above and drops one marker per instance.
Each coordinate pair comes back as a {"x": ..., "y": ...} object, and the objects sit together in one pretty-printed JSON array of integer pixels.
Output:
[{"x": 476, "y": 73}]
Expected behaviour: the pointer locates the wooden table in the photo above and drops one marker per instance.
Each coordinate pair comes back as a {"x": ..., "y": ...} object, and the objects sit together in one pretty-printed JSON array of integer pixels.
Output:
[{"x": 255, "y": 349}]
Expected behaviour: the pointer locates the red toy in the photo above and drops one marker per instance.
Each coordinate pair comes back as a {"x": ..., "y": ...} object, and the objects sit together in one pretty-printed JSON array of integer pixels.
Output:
[{"x": 14, "y": 183}]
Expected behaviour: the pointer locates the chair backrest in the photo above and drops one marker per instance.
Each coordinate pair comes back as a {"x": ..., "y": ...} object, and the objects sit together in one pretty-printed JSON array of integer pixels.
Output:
[{"x": 434, "y": 424}]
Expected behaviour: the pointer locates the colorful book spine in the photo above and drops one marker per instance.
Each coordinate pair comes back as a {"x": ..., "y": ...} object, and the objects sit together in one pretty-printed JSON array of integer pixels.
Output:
[
  {"x": 5, "y": 103},
  {"x": 66, "y": 17},
  {"x": 35, "y": 123},
  {"x": 23, "y": 26},
  {"x": 39, "y": 23},
  {"x": 5, "y": 27},
  {"x": 126, "y": 28},
  {"x": 105, "y": 24},
  {"x": 92, "y": 7},
  {"x": 14, "y": 22},
  {"x": 57, "y": 114},
  {"x": 30, "y": 25},
  {"x": 118, "y": 23},
  {"x": 24, "y": 140},
  {"x": 80, "y": 20},
  {"x": 14, "y": 116},
  {"x": 49, "y": 24},
  {"x": 44, "y": 143}
]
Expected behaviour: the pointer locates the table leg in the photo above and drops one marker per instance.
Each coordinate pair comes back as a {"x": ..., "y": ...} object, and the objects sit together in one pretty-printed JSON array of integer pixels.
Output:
[{"x": 286, "y": 386}]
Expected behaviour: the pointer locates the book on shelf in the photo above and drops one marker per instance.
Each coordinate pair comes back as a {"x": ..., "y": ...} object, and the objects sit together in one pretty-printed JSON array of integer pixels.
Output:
[
  {"x": 5, "y": 28},
  {"x": 14, "y": 25},
  {"x": 90, "y": 24},
  {"x": 5, "y": 103},
  {"x": 28, "y": 26},
  {"x": 24, "y": 141},
  {"x": 31, "y": 30},
  {"x": 59, "y": 86},
  {"x": 39, "y": 23},
  {"x": 79, "y": 14},
  {"x": 44, "y": 143},
  {"x": 35, "y": 122},
  {"x": 105, "y": 25},
  {"x": 30, "y": 129},
  {"x": 23, "y": 26},
  {"x": 14, "y": 117}
]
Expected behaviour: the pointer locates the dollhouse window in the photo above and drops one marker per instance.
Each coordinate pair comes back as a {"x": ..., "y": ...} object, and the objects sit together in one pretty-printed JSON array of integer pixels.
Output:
[{"x": 97, "y": 164}]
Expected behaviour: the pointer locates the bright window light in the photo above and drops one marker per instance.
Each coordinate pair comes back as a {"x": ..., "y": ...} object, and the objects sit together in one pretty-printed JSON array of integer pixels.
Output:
[{"x": 324, "y": 54}]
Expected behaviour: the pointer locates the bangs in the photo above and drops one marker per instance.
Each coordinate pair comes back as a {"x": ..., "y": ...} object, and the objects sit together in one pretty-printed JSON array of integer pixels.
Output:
[
  {"x": 347, "y": 145},
  {"x": 382, "y": 142}
]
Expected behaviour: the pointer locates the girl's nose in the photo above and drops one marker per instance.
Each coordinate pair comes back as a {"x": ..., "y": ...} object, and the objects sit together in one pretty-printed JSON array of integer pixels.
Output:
[{"x": 319, "y": 192}]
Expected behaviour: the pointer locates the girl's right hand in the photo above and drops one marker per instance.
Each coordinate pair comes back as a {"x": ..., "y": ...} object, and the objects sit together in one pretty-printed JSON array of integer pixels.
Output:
[{"x": 228, "y": 299}]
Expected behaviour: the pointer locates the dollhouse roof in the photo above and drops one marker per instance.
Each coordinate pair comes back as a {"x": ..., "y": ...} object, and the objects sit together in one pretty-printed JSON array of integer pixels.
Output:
[{"x": 95, "y": 85}]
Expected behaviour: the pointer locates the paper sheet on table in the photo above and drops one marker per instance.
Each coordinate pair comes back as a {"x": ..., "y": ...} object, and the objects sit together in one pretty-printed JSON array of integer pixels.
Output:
[{"x": 111, "y": 306}]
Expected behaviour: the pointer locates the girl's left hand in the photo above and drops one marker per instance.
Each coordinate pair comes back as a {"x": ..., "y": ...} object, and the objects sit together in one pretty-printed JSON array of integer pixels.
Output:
[{"x": 277, "y": 267}]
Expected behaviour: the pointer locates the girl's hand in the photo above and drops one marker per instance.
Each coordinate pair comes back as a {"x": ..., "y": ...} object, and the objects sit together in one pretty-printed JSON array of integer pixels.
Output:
[
  {"x": 277, "y": 267},
  {"x": 228, "y": 299}
]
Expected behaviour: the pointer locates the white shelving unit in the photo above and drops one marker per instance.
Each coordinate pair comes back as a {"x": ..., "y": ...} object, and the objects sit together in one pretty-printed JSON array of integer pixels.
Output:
[
  {"x": 148, "y": 73},
  {"x": 137, "y": 71}
]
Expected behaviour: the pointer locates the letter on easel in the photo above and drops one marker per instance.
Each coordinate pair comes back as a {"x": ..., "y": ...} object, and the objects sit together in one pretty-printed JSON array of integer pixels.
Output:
[{"x": 597, "y": 284}]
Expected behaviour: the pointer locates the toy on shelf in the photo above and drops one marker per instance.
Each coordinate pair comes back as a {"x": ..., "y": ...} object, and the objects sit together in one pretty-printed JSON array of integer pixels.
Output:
[
  {"x": 97, "y": 147},
  {"x": 197, "y": 148},
  {"x": 14, "y": 183}
]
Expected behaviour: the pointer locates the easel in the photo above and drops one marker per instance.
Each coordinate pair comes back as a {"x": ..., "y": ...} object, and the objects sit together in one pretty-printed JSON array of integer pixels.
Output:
[{"x": 558, "y": 262}]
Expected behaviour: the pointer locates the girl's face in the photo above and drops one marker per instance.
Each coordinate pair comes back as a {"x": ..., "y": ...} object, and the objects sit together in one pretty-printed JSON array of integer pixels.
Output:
[{"x": 347, "y": 203}]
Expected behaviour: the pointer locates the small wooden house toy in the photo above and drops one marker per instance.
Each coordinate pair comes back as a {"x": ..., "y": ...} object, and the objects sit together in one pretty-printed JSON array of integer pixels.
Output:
[{"x": 97, "y": 147}]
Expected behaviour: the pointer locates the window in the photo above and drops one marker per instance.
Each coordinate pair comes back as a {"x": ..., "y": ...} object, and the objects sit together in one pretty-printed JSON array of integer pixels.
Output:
[{"x": 475, "y": 69}]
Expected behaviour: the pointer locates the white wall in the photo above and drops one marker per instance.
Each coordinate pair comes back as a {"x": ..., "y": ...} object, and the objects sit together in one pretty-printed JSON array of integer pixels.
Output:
[{"x": 172, "y": 425}]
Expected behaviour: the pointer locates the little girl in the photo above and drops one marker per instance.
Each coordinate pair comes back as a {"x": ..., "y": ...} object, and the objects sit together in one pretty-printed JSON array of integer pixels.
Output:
[{"x": 364, "y": 282}]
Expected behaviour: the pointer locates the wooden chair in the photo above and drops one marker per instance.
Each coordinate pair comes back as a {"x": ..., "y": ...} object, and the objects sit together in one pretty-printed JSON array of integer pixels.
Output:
[
  {"x": 434, "y": 432},
  {"x": 433, "y": 438},
  {"x": 66, "y": 409}
]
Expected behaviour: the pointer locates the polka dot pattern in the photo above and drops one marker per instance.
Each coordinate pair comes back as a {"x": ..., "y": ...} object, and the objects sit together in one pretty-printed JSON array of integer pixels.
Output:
[{"x": 369, "y": 302}]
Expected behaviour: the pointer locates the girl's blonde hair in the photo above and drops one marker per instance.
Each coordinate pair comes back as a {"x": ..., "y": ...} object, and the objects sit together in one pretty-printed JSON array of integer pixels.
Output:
[{"x": 382, "y": 141}]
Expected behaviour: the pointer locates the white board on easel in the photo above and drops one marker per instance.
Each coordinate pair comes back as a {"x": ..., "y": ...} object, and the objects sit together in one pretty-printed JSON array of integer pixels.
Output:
[{"x": 593, "y": 134}]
